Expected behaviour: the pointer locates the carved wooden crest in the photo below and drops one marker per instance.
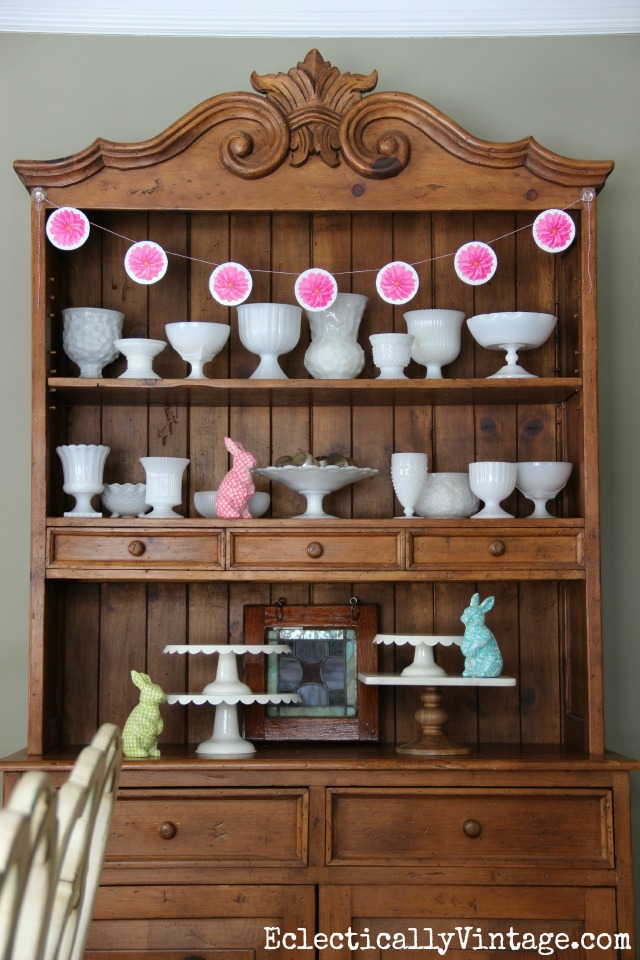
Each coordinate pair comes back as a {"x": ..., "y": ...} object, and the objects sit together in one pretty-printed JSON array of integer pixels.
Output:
[{"x": 314, "y": 97}]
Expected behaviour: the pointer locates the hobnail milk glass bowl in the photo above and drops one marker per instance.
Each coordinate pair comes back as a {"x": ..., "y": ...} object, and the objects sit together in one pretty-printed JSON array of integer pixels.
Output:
[
  {"x": 125, "y": 499},
  {"x": 197, "y": 342},
  {"x": 541, "y": 480},
  {"x": 391, "y": 354},
  {"x": 437, "y": 338},
  {"x": 205, "y": 503},
  {"x": 88, "y": 335},
  {"x": 511, "y": 332},
  {"x": 447, "y": 496},
  {"x": 492, "y": 481},
  {"x": 269, "y": 330}
]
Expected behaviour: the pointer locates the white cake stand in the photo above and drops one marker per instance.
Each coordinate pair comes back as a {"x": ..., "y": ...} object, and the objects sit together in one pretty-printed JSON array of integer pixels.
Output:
[
  {"x": 424, "y": 672},
  {"x": 315, "y": 483},
  {"x": 225, "y": 692}
]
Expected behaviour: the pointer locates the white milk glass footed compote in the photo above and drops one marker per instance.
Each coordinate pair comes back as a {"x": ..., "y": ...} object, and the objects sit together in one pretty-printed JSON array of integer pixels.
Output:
[
  {"x": 437, "y": 338},
  {"x": 511, "y": 332},
  {"x": 540, "y": 481},
  {"x": 88, "y": 335},
  {"x": 408, "y": 475},
  {"x": 83, "y": 467},
  {"x": 492, "y": 481},
  {"x": 269, "y": 330},
  {"x": 197, "y": 342},
  {"x": 139, "y": 352},
  {"x": 391, "y": 354},
  {"x": 164, "y": 485}
]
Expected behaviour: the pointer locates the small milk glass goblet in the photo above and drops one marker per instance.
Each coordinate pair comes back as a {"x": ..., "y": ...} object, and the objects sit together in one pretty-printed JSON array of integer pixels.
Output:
[
  {"x": 139, "y": 352},
  {"x": 542, "y": 480},
  {"x": 437, "y": 338},
  {"x": 197, "y": 342},
  {"x": 391, "y": 354},
  {"x": 492, "y": 481},
  {"x": 164, "y": 484},
  {"x": 408, "y": 475},
  {"x": 269, "y": 330},
  {"x": 83, "y": 467}
]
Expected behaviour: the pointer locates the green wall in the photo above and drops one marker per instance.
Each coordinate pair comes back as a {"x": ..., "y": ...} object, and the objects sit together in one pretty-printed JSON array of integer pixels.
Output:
[{"x": 576, "y": 96}]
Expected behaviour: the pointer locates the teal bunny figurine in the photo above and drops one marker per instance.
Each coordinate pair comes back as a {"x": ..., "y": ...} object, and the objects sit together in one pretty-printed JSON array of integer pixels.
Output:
[
  {"x": 144, "y": 723},
  {"x": 479, "y": 646}
]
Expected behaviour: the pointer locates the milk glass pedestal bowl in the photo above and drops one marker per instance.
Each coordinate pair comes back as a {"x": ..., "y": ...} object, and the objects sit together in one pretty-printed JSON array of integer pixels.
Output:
[
  {"x": 315, "y": 483},
  {"x": 88, "y": 335},
  {"x": 437, "y": 337},
  {"x": 391, "y": 354},
  {"x": 139, "y": 352},
  {"x": 269, "y": 330},
  {"x": 83, "y": 467},
  {"x": 197, "y": 342},
  {"x": 408, "y": 476},
  {"x": 511, "y": 332},
  {"x": 492, "y": 481},
  {"x": 542, "y": 480}
]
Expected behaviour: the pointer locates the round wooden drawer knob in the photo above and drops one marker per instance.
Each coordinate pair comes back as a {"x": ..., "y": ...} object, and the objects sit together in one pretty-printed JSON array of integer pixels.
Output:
[
  {"x": 472, "y": 828},
  {"x": 167, "y": 830},
  {"x": 315, "y": 549},
  {"x": 497, "y": 548},
  {"x": 136, "y": 548}
]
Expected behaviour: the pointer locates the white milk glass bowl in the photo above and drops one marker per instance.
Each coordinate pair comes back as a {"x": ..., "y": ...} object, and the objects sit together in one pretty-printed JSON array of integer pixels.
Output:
[
  {"x": 447, "y": 496},
  {"x": 408, "y": 475},
  {"x": 391, "y": 354},
  {"x": 125, "y": 499},
  {"x": 88, "y": 335},
  {"x": 139, "y": 352},
  {"x": 511, "y": 332},
  {"x": 492, "y": 481},
  {"x": 437, "y": 338},
  {"x": 540, "y": 481},
  {"x": 314, "y": 483},
  {"x": 205, "y": 503},
  {"x": 269, "y": 330},
  {"x": 197, "y": 342}
]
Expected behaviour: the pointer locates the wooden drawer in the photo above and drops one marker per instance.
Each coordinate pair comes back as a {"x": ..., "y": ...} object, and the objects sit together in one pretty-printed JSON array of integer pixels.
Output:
[
  {"x": 316, "y": 550},
  {"x": 133, "y": 549},
  {"x": 546, "y": 553},
  {"x": 233, "y": 827},
  {"x": 407, "y": 827}
]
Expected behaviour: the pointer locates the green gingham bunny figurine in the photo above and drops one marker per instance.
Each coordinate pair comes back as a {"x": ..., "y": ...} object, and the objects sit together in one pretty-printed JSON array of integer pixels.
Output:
[{"x": 144, "y": 723}]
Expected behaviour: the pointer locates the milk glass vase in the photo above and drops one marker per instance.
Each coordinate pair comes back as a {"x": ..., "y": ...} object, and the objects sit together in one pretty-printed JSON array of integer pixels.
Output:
[
  {"x": 164, "y": 485},
  {"x": 83, "y": 467},
  {"x": 334, "y": 352}
]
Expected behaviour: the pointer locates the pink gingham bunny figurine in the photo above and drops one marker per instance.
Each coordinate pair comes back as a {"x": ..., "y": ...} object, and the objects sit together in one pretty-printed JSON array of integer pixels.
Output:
[{"x": 237, "y": 485}]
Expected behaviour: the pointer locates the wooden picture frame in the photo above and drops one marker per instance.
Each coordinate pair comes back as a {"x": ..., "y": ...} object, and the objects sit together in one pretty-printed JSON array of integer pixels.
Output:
[{"x": 329, "y": 645}]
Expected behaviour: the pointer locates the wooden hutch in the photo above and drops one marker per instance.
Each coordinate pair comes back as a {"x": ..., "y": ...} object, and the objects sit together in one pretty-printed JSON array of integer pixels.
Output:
[{"x": 531, "y": 830}]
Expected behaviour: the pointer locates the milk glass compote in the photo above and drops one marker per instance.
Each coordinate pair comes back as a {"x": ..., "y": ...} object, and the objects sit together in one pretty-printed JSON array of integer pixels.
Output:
[
  {"x": 437, "y": 338},
  {"x": 408, "y": 474},
  {"x": 164, "y": 485},
  {"x": 83, "y": 467},
  {"x": 540, "y": 481},
  {"x": 139, "y": 352},
  {"x": 197, "y": 342},
  {"x": 391, "y": 354},
  {"x": 269, "y": 330},
  {"x": 492, "y": 481},
  {"x": 511, "y": 332}
]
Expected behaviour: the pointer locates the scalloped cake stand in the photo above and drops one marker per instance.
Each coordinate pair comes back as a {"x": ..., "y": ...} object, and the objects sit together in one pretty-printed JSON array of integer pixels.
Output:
[
  {"x": 424, "y": 672},
  {"x": 225, "y": 692}
]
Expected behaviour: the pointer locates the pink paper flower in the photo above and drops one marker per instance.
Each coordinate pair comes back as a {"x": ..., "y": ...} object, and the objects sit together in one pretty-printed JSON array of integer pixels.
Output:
[
  {"x": 231, "y": 284},
  {"x": 554, "y": 230},
  {"x": 397, "y": 282},
  {"x": 475, "y": 262},
  {"x": 146, "y": 262},
  {"x": 67, "y": 227},
  {"x": 316, "y": 289}
]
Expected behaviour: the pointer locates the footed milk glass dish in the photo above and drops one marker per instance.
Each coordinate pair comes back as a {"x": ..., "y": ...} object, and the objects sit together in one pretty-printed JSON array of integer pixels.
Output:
[
  {"x": 125, "y": 499},
  {"x": 492, "y": 481},
  {"x": 164, "y": 484},
  {"x": 391, "y": 354},
  {"x": 511, "y": 332},
  {"x": 408, "y": 475},
  {"x": 197, "y": 342},
  {"x": 88, "y": 335},
  {"x": 315, "y": 483},
  {"x": 83, "y": 467},
  {"x": 447, "y": 496},
  {"x": 437, "y": 338},
  {"x": 139, "y": 352},
  {"x": 269, "y": 330},
  {"x": 205, "y": 503},
  {"x": 542, "y": 480},
  {"x": 334, "y": 352}
]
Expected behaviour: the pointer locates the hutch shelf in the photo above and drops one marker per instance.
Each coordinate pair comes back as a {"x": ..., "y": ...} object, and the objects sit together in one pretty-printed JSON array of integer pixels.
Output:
[{"x": 530, "y": 830}]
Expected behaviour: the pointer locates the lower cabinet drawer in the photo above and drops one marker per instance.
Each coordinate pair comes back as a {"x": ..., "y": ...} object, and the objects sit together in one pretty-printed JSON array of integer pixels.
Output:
[
  {"x": 131, "y": 550},
  {"x": 428, "y": 826},
  {"x": 231, "y": 828},
  {"x": 316, "y": 550}
]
